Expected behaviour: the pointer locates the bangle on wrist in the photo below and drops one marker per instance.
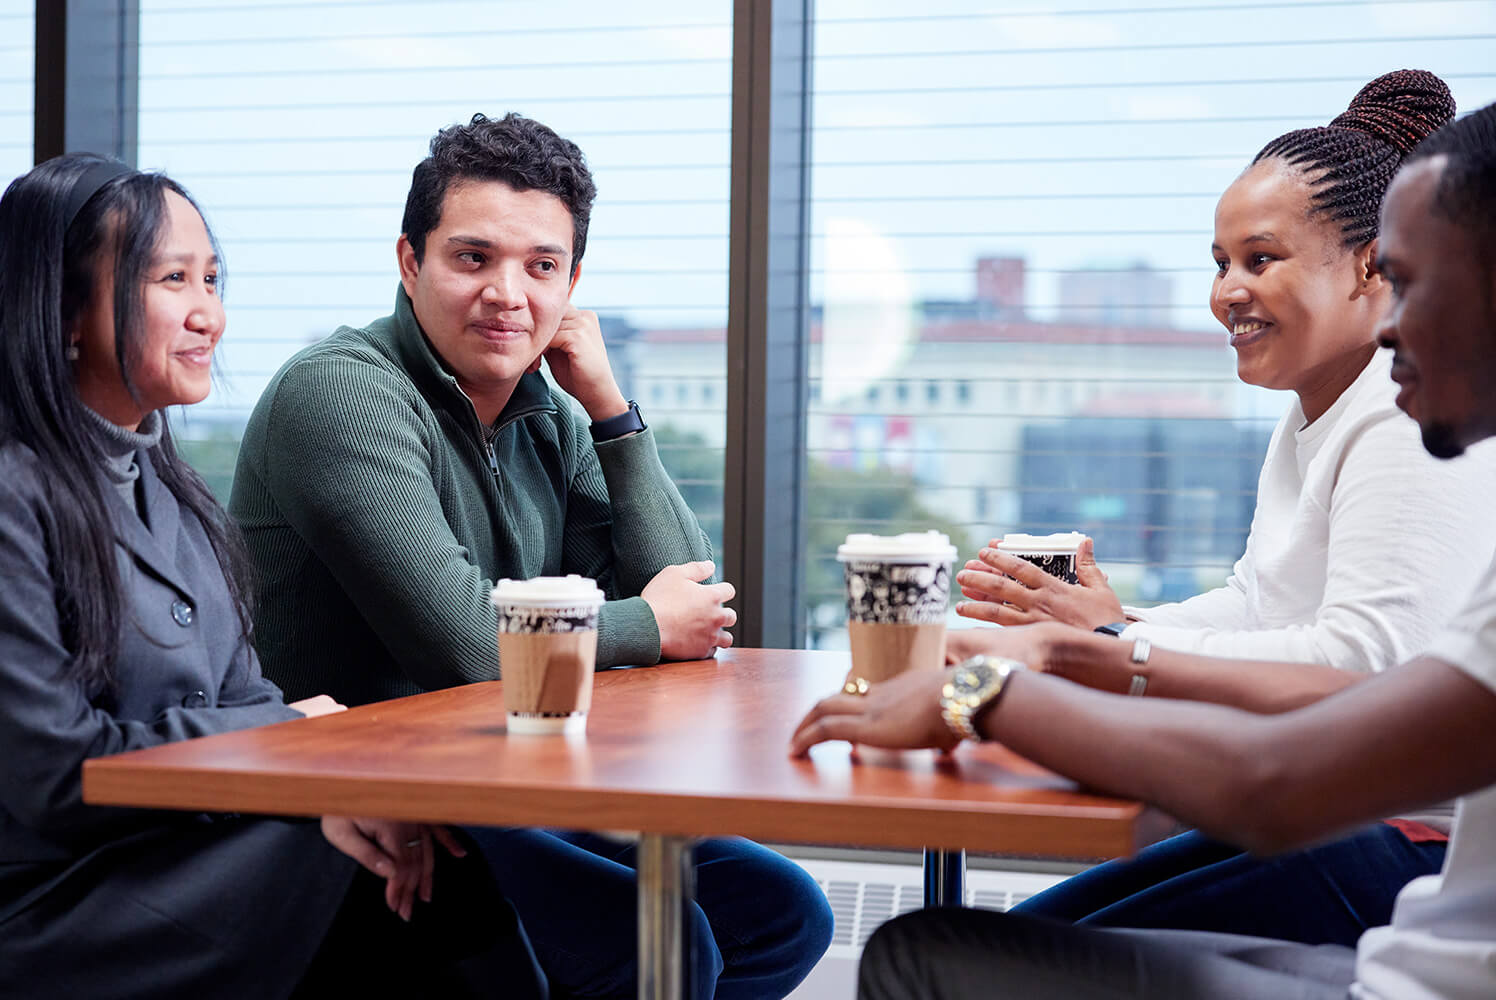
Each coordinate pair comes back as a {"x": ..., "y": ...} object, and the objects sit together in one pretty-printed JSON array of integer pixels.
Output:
[{"x": 1140, "y": 649}]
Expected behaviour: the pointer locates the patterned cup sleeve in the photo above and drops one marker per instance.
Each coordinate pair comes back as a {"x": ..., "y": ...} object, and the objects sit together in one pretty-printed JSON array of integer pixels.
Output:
[
  {"x": 1060, "y": 564},
  {"x": 578, "y": 618},
  {"x": 897, "y": 594}
]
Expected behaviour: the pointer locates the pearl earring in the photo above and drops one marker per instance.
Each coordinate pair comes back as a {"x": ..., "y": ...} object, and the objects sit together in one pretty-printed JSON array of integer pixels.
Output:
[{"x": 72, "y": 352}]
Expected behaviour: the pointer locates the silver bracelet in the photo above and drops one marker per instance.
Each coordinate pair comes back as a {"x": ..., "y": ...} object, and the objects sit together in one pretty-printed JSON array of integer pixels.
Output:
[{"x": 1140, "y": 649}]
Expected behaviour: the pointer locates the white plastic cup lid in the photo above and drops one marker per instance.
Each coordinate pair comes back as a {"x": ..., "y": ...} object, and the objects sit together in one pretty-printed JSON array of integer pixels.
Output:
[
  {"x": 1064, "y": 541},
  {"x": 547, "y": 592},
  {"x": 910, "y": 547}
]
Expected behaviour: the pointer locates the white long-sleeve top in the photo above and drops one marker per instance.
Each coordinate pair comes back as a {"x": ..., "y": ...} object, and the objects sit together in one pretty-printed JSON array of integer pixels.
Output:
[{"x": 1362, "y": 545}]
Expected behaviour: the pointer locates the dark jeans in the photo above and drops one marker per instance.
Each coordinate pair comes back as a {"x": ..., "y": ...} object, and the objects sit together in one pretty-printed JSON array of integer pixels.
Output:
[
  {"x": 954, "y": 954},
  {"x": 758, "y": 925},
  {"x": 465, "y": 943},
  {"x": 1328, "y": 894}
]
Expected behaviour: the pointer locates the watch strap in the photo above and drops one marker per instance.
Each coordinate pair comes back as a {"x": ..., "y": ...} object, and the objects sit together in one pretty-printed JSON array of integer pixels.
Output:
[{"x": 627, "y": 422}]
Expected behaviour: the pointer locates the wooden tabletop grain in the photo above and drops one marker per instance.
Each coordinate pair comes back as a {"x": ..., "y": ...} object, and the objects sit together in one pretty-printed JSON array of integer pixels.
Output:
[{"x": 685, "y": 748}]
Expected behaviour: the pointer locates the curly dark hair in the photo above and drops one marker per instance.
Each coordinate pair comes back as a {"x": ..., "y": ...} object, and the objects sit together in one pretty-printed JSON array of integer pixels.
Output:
[
  {"x": 1350, "y": 162},
  {"x": 519, "y": 151}
]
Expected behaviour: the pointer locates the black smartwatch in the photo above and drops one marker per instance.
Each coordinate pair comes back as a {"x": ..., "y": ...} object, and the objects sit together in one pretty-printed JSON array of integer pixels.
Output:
[
  {"x": 627, "y": 422},
  {"x": 1115, "y": 628}
]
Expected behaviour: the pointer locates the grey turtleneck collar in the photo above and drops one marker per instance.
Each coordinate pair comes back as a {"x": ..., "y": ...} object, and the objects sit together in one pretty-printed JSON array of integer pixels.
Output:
[{"x": 121, "y": 445}]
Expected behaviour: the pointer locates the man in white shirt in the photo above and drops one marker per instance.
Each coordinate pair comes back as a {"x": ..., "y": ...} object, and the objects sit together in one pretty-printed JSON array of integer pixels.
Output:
[{"x": 1412, "y": 736}]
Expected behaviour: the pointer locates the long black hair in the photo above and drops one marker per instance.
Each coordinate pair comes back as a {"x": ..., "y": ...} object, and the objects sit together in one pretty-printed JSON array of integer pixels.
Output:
[{"x": 48, "y": 277}]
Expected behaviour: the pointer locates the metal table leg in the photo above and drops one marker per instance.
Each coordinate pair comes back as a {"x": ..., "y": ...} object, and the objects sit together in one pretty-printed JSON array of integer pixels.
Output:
[
  {"x": 945, "y": 878},
  {"x": 667, "y": 882}
]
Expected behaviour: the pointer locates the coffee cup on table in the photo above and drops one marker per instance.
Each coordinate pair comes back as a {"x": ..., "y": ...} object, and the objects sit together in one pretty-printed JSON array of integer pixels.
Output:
[
  {"x": 898, "y": 590},
  {"x": 547, "y": 651},
  {"x": 1054, "y": 554}
]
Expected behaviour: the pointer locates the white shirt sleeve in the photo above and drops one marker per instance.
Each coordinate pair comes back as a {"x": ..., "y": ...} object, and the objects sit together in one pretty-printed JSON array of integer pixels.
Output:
[
  {"x": 1222, "y": 608},
  {"x": 1469, "y": 640},
  {"x": 1407, "y": 536}
]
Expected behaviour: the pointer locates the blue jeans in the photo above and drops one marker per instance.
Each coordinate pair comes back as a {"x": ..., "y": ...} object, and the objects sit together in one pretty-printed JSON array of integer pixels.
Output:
[
  {"x": 758, "y": 924},
  {"x": 1327, "y": 894}
]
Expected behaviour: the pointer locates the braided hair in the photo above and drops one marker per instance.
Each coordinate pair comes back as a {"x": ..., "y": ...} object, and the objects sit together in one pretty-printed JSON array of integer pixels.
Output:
[{"x": 1350, "y": 162}]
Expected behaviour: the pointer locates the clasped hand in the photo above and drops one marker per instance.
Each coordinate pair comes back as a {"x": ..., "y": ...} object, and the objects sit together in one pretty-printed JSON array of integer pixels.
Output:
[
  {"x": 403, "y": 854},
  {"x": 690, "y": 612},
  {"x": 400, "y": 853}
]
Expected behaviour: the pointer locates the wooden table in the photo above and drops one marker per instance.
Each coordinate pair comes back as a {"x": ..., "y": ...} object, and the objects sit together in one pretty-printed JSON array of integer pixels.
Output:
[{"x": 675, "y": 752}]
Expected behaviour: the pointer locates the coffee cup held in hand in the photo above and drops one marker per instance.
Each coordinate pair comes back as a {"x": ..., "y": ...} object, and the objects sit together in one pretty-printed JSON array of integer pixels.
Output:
[
  {"x": 547, "y": 651},
  {"x": 1054, "y": 554},
  {"x": 898, "y": 590}
]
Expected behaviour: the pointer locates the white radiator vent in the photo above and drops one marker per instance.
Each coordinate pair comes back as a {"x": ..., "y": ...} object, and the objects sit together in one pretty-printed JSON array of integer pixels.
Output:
[{"x": 864, "y": 895}]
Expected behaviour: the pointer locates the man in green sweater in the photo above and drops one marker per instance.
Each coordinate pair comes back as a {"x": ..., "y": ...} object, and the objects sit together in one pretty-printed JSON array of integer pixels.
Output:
[{"x": 391, "y": 473}]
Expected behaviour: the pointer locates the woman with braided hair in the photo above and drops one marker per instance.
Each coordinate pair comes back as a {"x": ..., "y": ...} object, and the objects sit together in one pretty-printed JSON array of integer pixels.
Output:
[
  {"x": 1361, "y": 546},
  {"x": 1425, "y": 730}
]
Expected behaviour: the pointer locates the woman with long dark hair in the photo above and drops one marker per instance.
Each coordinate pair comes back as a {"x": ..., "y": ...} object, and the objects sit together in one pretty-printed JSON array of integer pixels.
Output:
[{"x": 124, "y": 624}]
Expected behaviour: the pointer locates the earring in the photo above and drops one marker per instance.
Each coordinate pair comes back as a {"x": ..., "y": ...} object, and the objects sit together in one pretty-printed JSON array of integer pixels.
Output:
[{"x": 72, "y": 352}]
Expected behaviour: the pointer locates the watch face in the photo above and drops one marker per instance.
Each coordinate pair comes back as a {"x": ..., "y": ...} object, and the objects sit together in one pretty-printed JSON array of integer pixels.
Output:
[{"x": 974, "y": 674}]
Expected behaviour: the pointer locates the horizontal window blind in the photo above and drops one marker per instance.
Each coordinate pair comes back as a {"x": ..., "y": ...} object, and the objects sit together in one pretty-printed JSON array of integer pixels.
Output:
[
  {"x": 296, "y": 125},
  {"x": 1011, "y": 226},
  {"x": 17, "y": 86}
]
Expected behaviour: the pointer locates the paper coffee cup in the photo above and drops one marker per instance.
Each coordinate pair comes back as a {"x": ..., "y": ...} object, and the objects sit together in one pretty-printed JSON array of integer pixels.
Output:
[
  {"x": 898, "y": 590},
  {"x": 1054, "y": 554},
  {"x": 547, "y": 651}
]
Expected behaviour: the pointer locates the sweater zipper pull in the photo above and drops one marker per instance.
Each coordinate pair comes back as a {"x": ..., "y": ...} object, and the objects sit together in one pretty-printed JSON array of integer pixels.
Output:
[{"x": 493, "y": 460}]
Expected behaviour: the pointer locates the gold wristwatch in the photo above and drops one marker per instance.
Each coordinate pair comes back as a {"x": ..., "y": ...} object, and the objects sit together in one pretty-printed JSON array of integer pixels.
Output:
[{"x": 974, "y": 684}]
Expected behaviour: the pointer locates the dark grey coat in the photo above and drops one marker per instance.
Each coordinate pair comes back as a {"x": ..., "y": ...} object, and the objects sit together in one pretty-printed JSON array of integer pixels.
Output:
[{"x": 99, "y": 902}]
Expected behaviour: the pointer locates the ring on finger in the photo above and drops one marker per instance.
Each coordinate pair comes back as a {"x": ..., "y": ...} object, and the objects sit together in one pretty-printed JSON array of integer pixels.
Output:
[{"x": 857, "y": 686}]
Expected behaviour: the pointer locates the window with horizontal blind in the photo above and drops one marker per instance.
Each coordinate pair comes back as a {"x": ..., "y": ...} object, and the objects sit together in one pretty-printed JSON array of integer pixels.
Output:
[
  {"x": 296, "y": 125},
  {"x": 17, "y": 86},
  {"x": 1011, "y": 219}
]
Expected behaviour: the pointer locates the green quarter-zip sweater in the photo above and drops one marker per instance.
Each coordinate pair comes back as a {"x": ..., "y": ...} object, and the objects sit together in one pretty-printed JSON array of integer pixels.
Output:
[{"x": 379, "y": 512}]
